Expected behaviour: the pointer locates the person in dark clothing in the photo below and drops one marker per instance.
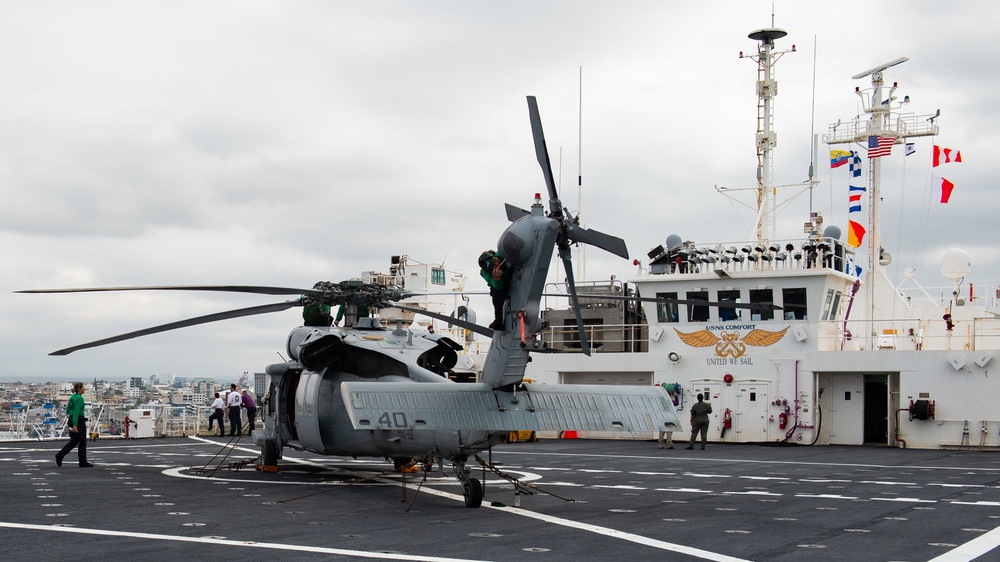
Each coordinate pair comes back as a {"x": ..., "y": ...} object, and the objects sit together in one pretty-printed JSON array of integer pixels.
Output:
[
  {"x": 315, "y": 314},
  {"x": 498, "y": 275},
  {"x": 218, "y": 414},
  {"x": 251, "y": 408},
  {"x": 234, "y": 402},
  {"x": 352, "y": 313},
  {"x": 76, "y": 424},
  {"x": 699, "y": 421}
]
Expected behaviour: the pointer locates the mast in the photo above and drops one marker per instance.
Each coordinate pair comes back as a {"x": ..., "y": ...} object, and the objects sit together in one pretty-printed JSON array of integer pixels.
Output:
[
  {"x": 767, "y": 139},
  {"x": 881, "y": 121}
]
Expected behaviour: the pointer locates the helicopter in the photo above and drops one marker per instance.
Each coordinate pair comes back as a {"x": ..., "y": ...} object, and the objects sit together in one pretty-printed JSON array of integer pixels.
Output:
[{"x": 365, "y": 389}]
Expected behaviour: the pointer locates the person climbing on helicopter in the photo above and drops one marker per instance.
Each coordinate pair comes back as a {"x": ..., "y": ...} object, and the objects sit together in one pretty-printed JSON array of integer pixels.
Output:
[
  {"x": 498, "y": 274},
  {"x": 315, "y": 313}
]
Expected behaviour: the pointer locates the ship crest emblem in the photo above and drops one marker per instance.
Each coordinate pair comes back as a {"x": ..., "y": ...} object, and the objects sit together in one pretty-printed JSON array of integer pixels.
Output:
[{"x": 729, "y": 344}]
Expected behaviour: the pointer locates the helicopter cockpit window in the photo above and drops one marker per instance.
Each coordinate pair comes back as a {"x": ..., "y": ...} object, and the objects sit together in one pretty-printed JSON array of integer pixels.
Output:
[{"x": 437, "y": 276}]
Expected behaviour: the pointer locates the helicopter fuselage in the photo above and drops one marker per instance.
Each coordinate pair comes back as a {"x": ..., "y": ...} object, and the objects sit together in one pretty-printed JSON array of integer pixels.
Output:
[{"x": 305, "y": 406}]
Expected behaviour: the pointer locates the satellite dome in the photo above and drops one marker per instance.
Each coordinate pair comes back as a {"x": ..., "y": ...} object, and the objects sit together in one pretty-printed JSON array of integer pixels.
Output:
[
  {"x": 674, "y": 241},
  {"x": 955, "y": 264},
  {"x": 832, "y": 231}
]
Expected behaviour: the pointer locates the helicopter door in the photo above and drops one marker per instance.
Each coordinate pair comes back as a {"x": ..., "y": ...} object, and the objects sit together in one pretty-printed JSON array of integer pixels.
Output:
[{"x": 307, "y": 410}]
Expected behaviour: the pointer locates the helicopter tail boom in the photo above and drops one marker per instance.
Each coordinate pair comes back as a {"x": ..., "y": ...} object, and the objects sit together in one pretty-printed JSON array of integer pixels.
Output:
[{"x": 461, "y": 407}]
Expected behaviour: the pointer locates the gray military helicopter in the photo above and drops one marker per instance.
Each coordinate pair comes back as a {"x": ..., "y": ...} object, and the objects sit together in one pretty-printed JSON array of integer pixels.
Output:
[{"x": 370, "y": 390}]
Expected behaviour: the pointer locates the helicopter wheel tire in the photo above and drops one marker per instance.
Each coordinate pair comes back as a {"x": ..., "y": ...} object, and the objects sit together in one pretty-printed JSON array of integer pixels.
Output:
[
  {"x": 269, "y": 453},
  {"x": 472, "y": 489}
]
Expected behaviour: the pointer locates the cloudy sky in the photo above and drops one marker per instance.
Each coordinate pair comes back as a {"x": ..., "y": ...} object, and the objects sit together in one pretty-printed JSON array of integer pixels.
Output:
[{"x": 282, "y": 143}]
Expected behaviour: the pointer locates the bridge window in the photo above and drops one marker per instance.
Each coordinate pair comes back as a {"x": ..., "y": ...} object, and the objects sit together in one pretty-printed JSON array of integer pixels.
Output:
[
  {"x": 728, "y": 313},
  {"x": 765, "y": 297},
  {"x": 794, "y": 303},
  {"x": 666, "y": 311},
  {"x": 697, "y": 313},
  {"x": 831, "y": 306},
  {"x": 437, "y": 276}
]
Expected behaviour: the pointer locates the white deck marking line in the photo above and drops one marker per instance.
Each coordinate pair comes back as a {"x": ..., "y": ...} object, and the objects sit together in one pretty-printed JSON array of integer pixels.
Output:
[
  {"x": 748, "y": 461},
  {"x": 103, "y": 447},
  {"x": 247, "y": 544},
  {"x": 973, "y": 549},
  {"x": 826, "y": 496},
  {"x": 613, "y": 533}
]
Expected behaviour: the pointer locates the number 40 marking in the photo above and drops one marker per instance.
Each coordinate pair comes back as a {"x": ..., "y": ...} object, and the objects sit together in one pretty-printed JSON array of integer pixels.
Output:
[{"x": 397, "y": 419}]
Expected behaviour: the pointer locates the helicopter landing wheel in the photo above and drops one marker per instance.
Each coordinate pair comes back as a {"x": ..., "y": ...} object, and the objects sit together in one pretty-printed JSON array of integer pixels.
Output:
[{"x": 473, "y": 492}]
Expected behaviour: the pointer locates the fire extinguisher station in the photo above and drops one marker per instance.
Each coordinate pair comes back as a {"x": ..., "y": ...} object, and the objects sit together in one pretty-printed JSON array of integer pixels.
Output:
[{"x": 727, "y": 422}]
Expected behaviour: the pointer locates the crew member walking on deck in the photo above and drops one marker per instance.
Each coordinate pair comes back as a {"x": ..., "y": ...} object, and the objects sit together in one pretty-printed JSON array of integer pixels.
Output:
[
  {"x": 699, "y": 421},
  {"x": 234, "y": 401},
  {"x": 76, "y": 424}
]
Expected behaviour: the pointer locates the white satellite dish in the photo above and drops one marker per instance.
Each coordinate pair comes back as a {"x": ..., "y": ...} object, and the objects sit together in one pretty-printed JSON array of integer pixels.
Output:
[{"x": 955, "y": 264}]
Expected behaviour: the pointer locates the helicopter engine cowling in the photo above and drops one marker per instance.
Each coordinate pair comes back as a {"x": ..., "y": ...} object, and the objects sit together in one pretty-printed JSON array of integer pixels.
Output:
[
  {"x": 441, "y": 358},
  {"x": 517, "y": 243},
  {"x": 314, "y": 348}
]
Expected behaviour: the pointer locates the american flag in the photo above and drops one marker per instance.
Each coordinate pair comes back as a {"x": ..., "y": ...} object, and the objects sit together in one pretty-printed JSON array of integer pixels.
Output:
[{"x": 879, "y": 146}]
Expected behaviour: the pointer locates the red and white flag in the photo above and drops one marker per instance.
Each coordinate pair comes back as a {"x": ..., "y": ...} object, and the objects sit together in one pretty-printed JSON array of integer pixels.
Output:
[
  {"x": 942, "y": 190},
  {"x": 945, "y": 156}
]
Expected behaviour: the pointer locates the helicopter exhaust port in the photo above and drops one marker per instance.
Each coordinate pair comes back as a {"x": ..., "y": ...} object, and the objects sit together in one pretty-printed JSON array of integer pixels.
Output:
[{"x": 315, "y": 349}]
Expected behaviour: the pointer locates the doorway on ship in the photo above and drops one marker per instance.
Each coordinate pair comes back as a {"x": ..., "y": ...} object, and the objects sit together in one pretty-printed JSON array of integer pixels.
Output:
[
  {"x": 856, "y": 407},
  {"x": 876, "y": 408},
  {"x": 751, "y": 413}
]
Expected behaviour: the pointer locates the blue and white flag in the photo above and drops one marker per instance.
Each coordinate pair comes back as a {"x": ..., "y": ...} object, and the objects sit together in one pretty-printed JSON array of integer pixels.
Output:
[
  {"x": 855, "y": 165},
  {"x": 910, "y": 149}
]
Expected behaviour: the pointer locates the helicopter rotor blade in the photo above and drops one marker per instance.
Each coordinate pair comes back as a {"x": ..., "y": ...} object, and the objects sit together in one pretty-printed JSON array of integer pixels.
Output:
[
  {"x": 255, "y": 289},
  {"x": 606, "y": 242},
  {"x": 689, "y": 302},
  {"x": 514, "y": 213},
  {"x": 250, "y": 311},
  {"x": 542, "y": 154},
  {"x": 568, "y": 263},
  {"x": 450, "y": 319}
]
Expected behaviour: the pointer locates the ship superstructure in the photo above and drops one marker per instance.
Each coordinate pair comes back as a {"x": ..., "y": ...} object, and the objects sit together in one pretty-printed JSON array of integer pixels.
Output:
[{"x": 849, "y": 358}]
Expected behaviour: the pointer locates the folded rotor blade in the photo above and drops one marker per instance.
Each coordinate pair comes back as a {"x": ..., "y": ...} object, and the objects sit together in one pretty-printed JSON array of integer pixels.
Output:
[
  {"x": 690, "y": 302},
  {"x": 541, "y": 152},
  {"x": 514, "y": 213},
  {"x": 568, "y": 264},
  {"x": 260, "y": 290},
  {"x": 450, "y": 319},
  {"x": 260, "y": 309},
  {"x": 607, "y": 242}
]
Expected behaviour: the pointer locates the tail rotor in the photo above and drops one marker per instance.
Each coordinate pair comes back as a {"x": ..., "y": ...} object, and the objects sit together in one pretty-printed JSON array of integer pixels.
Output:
[{"x": 570, "y": 231}]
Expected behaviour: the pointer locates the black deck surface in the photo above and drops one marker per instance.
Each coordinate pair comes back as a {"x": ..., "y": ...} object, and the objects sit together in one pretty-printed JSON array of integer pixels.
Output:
[{"x": 632, "y": 501}]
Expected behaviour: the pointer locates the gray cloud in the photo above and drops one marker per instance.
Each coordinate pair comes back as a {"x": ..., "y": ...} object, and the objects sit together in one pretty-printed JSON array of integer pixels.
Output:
[{"x": 285, "y": 143}]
